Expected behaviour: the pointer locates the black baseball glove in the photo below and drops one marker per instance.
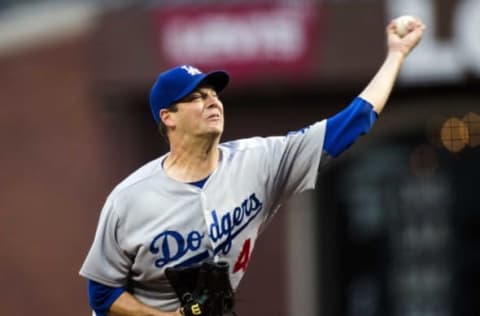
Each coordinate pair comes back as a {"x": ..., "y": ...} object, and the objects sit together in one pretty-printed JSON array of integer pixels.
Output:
[{"x": 203, "y": 290}]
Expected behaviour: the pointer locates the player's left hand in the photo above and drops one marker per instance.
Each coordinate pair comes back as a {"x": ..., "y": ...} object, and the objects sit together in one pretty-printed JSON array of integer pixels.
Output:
[
  {"x": 407, "y": 43},
  {"x": 203, "y": 289}
]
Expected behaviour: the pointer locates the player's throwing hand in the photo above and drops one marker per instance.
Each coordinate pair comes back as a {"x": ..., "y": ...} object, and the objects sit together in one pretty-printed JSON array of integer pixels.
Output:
[{"x": 404, "y": 44}]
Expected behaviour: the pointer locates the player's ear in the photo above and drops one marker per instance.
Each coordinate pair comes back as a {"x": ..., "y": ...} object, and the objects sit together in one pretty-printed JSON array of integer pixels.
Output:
[{"x": 166, "y": 118}]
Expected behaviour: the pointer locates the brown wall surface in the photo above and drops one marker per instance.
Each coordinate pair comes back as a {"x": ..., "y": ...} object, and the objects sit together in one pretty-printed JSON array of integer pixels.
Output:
[{"x": 54, "y": 175}]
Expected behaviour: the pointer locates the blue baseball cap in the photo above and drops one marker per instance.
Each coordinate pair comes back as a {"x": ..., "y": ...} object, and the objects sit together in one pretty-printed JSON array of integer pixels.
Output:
[{"x": 176, "y": 83}]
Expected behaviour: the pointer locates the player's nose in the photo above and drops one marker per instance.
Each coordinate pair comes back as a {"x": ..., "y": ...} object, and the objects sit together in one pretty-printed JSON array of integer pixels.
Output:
[{"x": 213, "y": 101}]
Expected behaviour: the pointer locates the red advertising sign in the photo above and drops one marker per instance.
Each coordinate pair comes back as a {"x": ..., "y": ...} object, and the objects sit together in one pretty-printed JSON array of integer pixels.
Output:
[{"x": 251, "y": 42}]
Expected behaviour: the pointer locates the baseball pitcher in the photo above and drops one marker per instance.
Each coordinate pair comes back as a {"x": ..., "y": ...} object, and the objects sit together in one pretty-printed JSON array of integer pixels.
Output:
[{"x": 176, "y": 236}]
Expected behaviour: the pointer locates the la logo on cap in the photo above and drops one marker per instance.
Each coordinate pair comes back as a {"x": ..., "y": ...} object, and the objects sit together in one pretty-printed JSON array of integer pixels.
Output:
[{"x": 191, "y": 70}]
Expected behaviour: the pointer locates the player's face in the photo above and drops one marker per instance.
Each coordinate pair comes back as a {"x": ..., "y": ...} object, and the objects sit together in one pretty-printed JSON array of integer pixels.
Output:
[{"x": 200, "y": 113}]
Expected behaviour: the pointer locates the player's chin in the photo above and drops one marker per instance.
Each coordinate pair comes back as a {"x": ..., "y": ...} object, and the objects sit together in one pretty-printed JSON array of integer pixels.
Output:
[
  {"x": 215, "y": 125},
  {"x": 216, "y": 131},
  {"x": 211, "y": 129}
]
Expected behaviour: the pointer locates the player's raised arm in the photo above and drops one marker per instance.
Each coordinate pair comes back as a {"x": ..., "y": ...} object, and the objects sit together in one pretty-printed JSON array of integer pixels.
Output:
[
  {"x": 346, "y": 126},
  {"x": 399, "y": 46}
]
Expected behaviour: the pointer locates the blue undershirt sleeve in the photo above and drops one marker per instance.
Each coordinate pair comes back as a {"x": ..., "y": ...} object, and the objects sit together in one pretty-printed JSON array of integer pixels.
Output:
[
  {"x": 345, "y": 127},
  {"x": 101, "y": 297}
]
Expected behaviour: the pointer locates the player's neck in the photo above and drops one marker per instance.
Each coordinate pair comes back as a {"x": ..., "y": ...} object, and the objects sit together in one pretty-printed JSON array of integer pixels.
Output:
[{"x": 192, "y": 161}]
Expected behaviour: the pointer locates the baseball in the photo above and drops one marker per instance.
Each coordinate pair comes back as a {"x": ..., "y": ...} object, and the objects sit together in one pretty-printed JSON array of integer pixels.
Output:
[{"x": 401, "y": 24}]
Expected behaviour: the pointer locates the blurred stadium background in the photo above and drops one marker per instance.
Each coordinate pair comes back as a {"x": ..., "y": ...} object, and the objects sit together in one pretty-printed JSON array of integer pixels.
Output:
[{"x": 393, "y": 228}]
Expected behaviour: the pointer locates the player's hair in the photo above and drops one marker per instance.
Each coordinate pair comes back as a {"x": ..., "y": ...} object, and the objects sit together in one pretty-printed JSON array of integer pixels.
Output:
[{"x": 162, "y": 128}]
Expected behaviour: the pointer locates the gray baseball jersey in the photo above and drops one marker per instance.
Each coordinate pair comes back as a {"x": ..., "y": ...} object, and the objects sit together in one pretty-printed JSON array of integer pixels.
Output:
[{"x": 150, "y": 221}]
